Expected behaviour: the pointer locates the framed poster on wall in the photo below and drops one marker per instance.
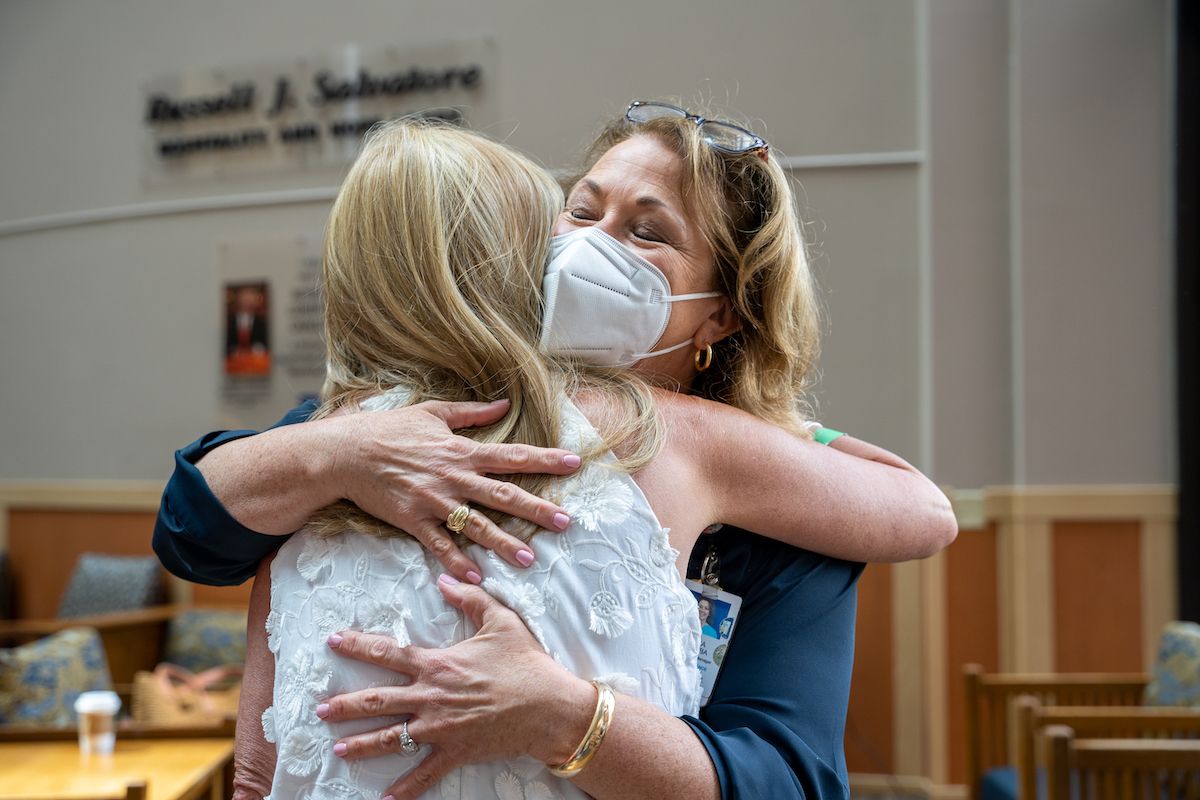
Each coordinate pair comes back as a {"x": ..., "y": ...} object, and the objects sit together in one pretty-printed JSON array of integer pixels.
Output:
[{"x": 269, "y": 318}]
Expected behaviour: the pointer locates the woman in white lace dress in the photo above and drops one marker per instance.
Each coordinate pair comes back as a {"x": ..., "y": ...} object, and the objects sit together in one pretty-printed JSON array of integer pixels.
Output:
[{"x": 434, "y": 261}]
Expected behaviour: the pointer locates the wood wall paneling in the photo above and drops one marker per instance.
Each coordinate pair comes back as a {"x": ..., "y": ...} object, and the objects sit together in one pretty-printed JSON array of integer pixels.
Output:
[
  {"x": 1097, "y": 596},
  {"x": 1025, "y": 585},
  {"x": 44, "y": 545},
  {"x": 1160, "y": 586},
  {"x": 869, "y": 738},
  {"x": 972, "y": 627}
]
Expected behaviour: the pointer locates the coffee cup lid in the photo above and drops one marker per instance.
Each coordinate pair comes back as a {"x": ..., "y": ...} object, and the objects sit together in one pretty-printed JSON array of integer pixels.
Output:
[{"x": 97, "y": 702}]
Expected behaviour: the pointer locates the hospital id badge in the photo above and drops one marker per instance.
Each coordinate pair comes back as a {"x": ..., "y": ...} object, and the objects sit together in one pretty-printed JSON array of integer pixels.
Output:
[{"x": 718, "y": 612}]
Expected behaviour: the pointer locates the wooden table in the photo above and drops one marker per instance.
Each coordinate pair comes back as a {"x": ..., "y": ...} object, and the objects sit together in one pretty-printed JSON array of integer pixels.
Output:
[{"x": 173, "y": 769}]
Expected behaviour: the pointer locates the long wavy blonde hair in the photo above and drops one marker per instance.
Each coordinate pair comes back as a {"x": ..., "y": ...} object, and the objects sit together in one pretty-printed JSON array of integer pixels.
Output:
[
  {"x": 746, "y": 209},
  {"x": 434, "y": 256}
]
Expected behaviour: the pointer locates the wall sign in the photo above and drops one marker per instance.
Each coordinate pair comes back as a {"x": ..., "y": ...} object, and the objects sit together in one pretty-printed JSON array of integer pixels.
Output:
[{"x": 310, "y": 114}]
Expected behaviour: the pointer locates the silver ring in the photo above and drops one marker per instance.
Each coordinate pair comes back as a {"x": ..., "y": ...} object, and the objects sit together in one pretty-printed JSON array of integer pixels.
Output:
[{"x": 407, "y": 745}]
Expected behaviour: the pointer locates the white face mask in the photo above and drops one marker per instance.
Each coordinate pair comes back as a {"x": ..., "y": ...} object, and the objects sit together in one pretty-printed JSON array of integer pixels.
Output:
[{"x": 604, "y": 303}]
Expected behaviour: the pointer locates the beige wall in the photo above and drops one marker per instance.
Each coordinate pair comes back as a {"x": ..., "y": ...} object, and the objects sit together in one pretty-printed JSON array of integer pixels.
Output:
[
  {"x": 1050, "y": 166},
  {"x": 1092, "y": 254},
  {"x": 977, "y": 289},
  {"x": 972, "y": 312}
]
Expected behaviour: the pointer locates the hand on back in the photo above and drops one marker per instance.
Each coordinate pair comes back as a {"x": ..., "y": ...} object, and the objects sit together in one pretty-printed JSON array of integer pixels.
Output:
[{"x": 408, "y": 468}]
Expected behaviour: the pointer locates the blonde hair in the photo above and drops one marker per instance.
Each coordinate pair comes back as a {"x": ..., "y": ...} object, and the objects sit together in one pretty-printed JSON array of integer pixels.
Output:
[
  {"x": 746, "y": 210},
  {"x": 434, "y": 256}
]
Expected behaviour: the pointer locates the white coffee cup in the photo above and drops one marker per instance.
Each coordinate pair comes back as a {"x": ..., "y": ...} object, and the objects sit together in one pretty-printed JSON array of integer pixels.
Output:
[{"x": 97, "y": 721}]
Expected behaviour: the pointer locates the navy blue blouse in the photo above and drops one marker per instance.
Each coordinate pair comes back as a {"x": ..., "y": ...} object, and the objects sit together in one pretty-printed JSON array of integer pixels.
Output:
[{"x": 774, "y": 724}]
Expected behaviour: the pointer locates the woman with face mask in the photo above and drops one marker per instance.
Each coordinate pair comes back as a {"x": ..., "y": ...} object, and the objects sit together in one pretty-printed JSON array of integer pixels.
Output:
[{"x": 638, "y": 223}]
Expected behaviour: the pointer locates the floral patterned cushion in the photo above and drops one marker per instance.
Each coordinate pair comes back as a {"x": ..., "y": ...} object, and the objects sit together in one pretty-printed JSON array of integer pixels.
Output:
[
  {"x": 39, "y": 681},
  {"x": 1176, "y": 678},
  {"x": 101, "y": 584},
  {"x": 198, "y": 640}
]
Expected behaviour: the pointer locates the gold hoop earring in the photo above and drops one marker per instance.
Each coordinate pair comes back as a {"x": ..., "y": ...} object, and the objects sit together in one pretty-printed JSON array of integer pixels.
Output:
[{"x": 706, "y": 362}]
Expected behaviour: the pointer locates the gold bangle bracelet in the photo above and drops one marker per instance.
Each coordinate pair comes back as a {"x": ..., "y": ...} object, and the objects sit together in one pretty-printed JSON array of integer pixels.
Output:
[{"x": 606, "y": 703}]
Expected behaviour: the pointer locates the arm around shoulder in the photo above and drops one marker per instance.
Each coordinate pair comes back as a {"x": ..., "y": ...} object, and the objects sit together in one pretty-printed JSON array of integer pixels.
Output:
[
  {"x": 849, "y": 499},
  {"x": 195, "y": 535}
]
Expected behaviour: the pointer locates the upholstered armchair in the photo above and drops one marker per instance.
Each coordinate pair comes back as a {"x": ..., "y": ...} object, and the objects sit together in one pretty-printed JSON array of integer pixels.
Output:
[
  {"x": 102, "y": 584},
  {"x": 117, "y": 596},
  {"x": 40, "y": 681}
]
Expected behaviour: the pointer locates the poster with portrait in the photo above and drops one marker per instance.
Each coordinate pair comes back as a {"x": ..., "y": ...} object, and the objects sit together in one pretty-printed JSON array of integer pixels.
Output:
[
  {"x": 718, "y": 611},
  {"x": 247, "y": 328},
  {"x": 269, "y": 318}
]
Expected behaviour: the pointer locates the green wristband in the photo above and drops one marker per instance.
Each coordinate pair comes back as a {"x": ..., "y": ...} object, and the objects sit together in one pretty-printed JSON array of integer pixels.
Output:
[{"x": 826, "y": 435}]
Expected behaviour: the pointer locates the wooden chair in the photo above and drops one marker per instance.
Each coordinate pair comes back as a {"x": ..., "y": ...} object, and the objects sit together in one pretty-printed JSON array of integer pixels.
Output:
[
  {"x": 1092, "y": 722},
  {"x": 989, "y": 698},
  {"x": 1120, "y": 769}
]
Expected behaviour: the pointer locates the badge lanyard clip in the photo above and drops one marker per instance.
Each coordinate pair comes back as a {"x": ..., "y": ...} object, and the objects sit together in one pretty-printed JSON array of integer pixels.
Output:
[{"x": 710, "y": 569}]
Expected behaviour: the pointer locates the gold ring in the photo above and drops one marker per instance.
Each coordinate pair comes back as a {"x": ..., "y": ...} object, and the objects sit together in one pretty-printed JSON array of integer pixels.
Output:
[{"x": 458, "y": 518}]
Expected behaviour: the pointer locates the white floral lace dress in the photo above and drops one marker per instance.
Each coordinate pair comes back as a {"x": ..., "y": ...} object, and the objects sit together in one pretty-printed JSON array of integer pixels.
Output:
[{"x": 603, "y": 598}]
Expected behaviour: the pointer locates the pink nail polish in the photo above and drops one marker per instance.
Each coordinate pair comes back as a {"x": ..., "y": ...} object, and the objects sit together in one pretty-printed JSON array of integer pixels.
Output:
[
  {"x": 340, "y": 749},
  {"x": 323, "y": 710},
  {"x": 474, "y": 577},
  {"x": 561, "y": 521},
  {"x": 571, "y": 460},
  {"x": 525, "y": 557},
  {"x": 388, "y": 797},
  {"x": 335, "y": 640},
  {"x": 449, "y": 580}
]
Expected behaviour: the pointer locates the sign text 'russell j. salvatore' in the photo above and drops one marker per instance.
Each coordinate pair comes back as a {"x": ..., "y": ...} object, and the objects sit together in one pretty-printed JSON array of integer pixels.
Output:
[{"x": 309, "y": 114}]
